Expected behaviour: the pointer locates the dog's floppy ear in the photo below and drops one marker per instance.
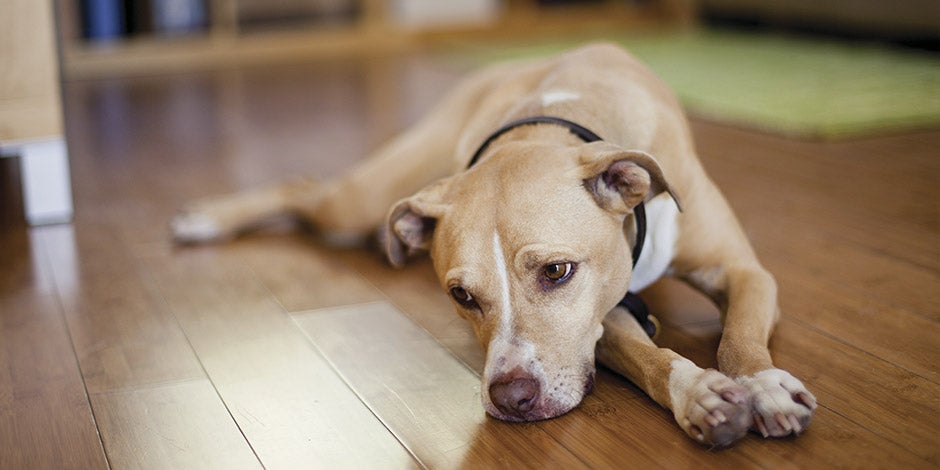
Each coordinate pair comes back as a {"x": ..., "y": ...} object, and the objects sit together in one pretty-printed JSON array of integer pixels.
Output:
[
  {"x": 410, "y": 224},
  {"x": 620, "y": 179}
]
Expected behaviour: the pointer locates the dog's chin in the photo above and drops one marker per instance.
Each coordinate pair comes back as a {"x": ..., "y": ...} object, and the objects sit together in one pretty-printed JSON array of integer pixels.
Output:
[{"x": 542, "y": 412}]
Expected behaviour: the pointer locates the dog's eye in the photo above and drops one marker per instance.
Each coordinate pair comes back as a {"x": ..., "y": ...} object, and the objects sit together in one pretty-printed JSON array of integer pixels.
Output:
[
  {"x": 462, "y": 296},
  {"x": 559, "y": 272}
]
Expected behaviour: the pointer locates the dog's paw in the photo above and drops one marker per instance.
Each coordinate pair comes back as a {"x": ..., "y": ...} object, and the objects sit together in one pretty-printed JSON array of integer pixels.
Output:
[
  {"x": 781, "y": 405},
  {"x": 193, "y": 225},
  {"x": 709, "y": 406}
]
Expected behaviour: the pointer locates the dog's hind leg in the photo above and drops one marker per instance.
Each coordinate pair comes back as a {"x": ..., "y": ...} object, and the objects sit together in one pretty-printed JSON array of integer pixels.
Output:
[
  {"x": 709, "y": 406},
  {"x": 218, "y": 218},
  {"x": 353, "y": 206}
]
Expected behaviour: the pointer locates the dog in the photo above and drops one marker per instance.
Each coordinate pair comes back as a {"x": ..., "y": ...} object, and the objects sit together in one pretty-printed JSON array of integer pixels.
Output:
[{"x": 534, "y": 241}]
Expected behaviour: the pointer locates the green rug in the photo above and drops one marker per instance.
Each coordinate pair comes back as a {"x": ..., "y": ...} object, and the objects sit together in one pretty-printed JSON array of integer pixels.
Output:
[{"x": 790, "y": 85}]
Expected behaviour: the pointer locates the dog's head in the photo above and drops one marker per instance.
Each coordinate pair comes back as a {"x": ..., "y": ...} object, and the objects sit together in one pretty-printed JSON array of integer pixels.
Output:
[{"x": 531, "y": 247}]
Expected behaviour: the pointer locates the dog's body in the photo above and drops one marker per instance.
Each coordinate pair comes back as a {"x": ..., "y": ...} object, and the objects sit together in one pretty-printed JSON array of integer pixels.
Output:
[{"x": 533, "y": 242}]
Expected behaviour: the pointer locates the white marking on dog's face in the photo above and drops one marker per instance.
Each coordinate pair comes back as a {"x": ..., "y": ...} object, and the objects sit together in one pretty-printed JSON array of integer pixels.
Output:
[
  {"x": 557, "y": 96},
  {"x": 502, "y": 272}
]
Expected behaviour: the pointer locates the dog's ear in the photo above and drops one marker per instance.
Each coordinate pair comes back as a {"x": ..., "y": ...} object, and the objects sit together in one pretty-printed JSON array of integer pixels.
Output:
[
  {"x": 620, "y": 179},
  {"x": 410, "y": 224}
]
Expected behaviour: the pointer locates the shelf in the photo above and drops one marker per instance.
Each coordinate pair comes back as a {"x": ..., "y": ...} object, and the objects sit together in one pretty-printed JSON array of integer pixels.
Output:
[
  {"x": 148, "y": 55},
  {"x": 373, "y": 33}
]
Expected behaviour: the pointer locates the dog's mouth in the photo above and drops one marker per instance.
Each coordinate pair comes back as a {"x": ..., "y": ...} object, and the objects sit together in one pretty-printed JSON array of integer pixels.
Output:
[{"x": 518, "y": 396}]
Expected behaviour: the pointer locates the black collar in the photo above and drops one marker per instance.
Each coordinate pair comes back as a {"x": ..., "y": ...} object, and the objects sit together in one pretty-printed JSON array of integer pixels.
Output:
[
  {"x": 582, "y": 132},
  {"x": 639, "y": 212}
]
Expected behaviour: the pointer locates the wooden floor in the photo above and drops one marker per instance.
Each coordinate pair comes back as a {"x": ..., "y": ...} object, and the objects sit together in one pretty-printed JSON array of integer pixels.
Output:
[{"x": 119, "y": 349}]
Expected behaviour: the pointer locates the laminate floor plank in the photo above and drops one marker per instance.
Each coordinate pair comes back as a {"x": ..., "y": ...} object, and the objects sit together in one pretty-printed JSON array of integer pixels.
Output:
[
  {"x": 288, "y": 402},
  {"x": 891, "y": 402},
  {"x": 45, "y": 417},
  {"x": 123, "y": 335},
  {"x": 304, "y": 275},
  {"x": 897, "y": 336},
  {"x": 853, "y": 183},
  {"x": 180, "y": 425}
]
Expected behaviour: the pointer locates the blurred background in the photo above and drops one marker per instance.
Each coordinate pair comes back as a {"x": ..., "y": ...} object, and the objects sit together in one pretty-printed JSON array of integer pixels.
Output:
[
  {"x": 109, "y": 36},
  {"x": 849, "y": 67}
]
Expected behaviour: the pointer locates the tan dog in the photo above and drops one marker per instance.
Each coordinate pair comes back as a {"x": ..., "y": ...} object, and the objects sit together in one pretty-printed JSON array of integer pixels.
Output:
[{"x": 533, "y": 243}]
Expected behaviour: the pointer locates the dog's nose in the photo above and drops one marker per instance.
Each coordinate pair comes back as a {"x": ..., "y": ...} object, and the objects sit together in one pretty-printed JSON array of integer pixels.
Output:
[{"x": 515, "y": 394}]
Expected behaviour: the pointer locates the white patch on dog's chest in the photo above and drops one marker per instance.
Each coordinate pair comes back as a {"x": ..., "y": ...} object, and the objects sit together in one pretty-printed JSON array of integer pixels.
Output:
[
  {"x": 557, "y": 96},
  {"x": 662, "y": 232}
]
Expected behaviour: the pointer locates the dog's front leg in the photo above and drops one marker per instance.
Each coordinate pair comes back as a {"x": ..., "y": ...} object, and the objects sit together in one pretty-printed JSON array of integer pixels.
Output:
[
  {"x": 709, "y": 406},
  {"x": 747, "y": 295}
]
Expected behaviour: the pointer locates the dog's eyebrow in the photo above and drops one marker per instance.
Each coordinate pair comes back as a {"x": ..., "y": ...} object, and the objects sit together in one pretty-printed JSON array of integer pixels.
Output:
[
  {"x": 455, "y": 277},
  {"x": 535, "y": 255}
]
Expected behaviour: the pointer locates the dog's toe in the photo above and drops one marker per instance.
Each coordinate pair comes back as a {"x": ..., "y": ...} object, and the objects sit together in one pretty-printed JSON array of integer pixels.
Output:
[
  {"x": 781, "y": 405},
  {"x": 718, "y": 410}
]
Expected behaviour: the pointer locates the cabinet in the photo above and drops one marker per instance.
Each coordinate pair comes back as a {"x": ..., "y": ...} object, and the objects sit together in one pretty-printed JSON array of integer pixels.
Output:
[{"x": 31, "y": 126}]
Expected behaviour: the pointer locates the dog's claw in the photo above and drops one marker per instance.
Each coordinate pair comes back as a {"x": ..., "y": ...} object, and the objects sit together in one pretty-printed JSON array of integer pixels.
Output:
[
  {"x": 806, "y": 399},
  {"x": 759, "y": 423},
  {"x": 712, "y": 420},
  {"x": 795, "y": 423},
  {"x": 720, "y": 416},
  {"x": 734, "y": 396}
]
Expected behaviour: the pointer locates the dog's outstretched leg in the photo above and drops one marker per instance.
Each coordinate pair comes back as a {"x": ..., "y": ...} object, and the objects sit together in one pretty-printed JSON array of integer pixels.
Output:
[
  {"x": 715, "y": 256},
  {"x": 710, "y": 407},
  {"x": 219, "y": 218},
  {"x": 351, "y": 207},
  {"x": 747, "y": 295}
]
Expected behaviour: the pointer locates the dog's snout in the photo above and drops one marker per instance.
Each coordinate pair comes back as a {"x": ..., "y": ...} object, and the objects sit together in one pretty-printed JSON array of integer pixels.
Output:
[{"x": 515, "y": 394}]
